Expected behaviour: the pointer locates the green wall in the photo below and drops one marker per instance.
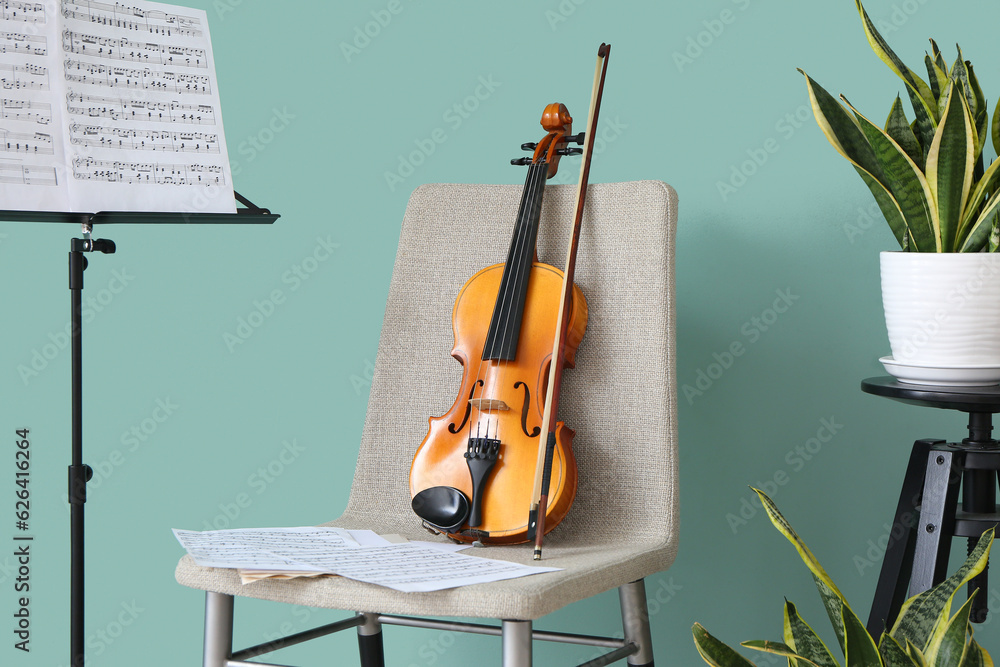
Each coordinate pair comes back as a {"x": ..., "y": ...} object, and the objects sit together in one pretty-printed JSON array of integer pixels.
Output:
[{"x": 696, "y": 93}]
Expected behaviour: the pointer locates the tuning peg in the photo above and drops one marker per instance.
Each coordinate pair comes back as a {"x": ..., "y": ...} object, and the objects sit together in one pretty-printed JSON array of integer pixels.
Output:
[
  {"x": 575, "y": 138},
  {"x": 569, "y": 151},
  {"x": 521, "y": 161},
  {"x": 530, "y": 146}
]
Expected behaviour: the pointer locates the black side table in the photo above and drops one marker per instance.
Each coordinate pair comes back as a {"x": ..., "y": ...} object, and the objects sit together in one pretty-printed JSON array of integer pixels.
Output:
[{"x": 928, "y": 515}]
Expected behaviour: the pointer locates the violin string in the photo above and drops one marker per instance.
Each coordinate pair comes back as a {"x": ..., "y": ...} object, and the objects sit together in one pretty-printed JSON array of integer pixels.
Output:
[
  {"x": 521, "y": 247},
  {"x": 486, "y": 358},
  {"x": 520, "y": 255},
  {"x": 501, "y": 318}
]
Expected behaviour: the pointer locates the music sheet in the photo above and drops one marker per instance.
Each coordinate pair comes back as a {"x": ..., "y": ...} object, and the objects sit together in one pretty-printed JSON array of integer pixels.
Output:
[
  {"x": 110, "y": 106},
  {"x": 408, "y": 567}
]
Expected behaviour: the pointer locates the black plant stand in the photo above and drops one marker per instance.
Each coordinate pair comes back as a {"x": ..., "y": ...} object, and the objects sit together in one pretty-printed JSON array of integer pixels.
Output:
[
  {"x": 929, "y": 515},
  {"x": 79, "y": 472}
]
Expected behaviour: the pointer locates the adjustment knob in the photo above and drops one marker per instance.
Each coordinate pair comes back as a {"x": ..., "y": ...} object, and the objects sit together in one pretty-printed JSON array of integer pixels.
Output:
[
  {"x": 521, "y": 161},
  {"x": 569, "y": 151},
  {"x": 530, "y": 146},
  {"x": 575, "y": 138}
]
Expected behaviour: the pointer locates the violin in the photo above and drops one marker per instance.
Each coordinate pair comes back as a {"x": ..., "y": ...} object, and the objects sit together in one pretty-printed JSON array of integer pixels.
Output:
[{"x": 472, "y": 476}]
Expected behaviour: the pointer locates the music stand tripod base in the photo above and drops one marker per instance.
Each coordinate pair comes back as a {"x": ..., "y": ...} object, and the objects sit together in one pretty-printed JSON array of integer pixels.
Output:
[{"x": 928, "y": 514}]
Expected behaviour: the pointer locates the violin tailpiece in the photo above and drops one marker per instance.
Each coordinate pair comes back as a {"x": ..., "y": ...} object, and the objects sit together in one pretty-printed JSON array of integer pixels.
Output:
[{"x": 480, "y": 457}]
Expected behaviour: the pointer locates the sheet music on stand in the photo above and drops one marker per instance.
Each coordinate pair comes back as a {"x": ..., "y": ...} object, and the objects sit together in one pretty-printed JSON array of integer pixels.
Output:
[
  {"x": 409, "y": 567},
  {"x": 110, "y": 106}
]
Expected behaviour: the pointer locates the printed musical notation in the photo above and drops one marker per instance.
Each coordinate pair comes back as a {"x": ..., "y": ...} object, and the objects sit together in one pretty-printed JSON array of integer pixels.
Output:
[
  {"x": 113, "y": 103},
  {"x": 142, "y": 140},
  {"x": 25, "y": 142},
  {"x": 409, "y": 567},
  {"x": 24, "y": 77},
  {"x": 95, "y": 106},
  {"x": 26, "y": 110},
  {"x": 29, "y": 12},
  {"x": 130, "y": 17},
  {"x": 147, "y": 173},
  {"x": 139, "y": 52},
  {"x": 23, "y": 174},
  {"x": 16, "y": 42},
  {"x": 145, "y": 79}
]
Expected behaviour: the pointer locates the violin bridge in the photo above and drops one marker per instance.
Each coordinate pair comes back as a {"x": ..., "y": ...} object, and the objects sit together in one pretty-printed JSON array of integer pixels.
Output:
[{"x": 488, "y": 404}]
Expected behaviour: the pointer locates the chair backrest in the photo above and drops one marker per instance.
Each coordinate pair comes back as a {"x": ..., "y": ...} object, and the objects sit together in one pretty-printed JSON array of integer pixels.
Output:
[{"x": 620, "y": 398}]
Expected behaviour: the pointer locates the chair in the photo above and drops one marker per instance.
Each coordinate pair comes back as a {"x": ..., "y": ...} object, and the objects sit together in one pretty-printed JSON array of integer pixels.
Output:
[{"x": 620, "y": 399}]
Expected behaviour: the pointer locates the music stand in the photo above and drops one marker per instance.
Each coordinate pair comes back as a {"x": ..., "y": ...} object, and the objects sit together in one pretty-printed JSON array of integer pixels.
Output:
[{"x": 79, "y": 472}]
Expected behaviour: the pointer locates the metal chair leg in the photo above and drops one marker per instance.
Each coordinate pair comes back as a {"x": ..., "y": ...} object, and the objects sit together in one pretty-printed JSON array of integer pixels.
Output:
[
  {"x": 635, "y": 622},
  {"x": 370, "y": 642},
  {"x": 517, "y": 644},
  {"x": 218, "y": 629}
]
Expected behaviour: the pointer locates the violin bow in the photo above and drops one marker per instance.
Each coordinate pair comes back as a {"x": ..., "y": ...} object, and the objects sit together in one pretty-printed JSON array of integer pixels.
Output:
[{"x": 543, "y": 469}]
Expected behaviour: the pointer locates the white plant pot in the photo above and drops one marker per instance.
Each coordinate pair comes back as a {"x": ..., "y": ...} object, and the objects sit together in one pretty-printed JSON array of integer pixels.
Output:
[{"x": 942, "y": 311}]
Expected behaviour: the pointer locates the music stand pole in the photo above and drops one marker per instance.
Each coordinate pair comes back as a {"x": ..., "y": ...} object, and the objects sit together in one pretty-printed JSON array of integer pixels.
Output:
[{"x": 79, "y": 472}]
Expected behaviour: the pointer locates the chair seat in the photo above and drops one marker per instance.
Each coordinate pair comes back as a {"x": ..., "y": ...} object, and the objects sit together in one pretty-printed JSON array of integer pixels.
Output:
[{"x": 588, "y": 569}]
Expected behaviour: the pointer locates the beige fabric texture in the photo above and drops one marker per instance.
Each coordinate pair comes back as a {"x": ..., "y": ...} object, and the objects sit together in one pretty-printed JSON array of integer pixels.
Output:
[{"x": 620, "y": 399}]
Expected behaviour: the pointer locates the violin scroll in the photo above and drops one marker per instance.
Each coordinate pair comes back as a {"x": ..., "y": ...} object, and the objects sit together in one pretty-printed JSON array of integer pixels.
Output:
[{"x": 558, "y": 123}]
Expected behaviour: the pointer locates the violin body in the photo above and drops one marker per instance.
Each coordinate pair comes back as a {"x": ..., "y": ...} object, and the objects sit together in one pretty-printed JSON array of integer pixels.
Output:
[{"x": 504, "y": 400}]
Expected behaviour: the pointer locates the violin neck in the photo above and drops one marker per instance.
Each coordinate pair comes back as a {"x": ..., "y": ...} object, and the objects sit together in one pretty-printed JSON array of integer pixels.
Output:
[{"x": 505, "y": 327}]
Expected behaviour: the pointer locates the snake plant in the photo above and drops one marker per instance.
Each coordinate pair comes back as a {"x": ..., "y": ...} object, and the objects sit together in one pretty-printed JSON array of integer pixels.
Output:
[
  {"x": 926, "y": 634},
  {"x": 928, "y": 175}
]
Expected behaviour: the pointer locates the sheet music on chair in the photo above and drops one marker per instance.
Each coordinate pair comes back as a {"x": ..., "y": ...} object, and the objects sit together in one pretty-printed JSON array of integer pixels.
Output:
[
  {"x": 356, "y": 554},
  {"x": 110, "y": 106}
]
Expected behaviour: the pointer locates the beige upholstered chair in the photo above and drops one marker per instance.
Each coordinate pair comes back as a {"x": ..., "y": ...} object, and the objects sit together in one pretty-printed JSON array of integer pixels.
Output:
[{"x": 620, "y": 399}]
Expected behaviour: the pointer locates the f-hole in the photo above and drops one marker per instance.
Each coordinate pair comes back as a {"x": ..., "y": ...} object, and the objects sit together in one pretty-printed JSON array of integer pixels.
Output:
[
  {"x": 524, "y": 411},
  {"x": 468, "y": 410}
]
